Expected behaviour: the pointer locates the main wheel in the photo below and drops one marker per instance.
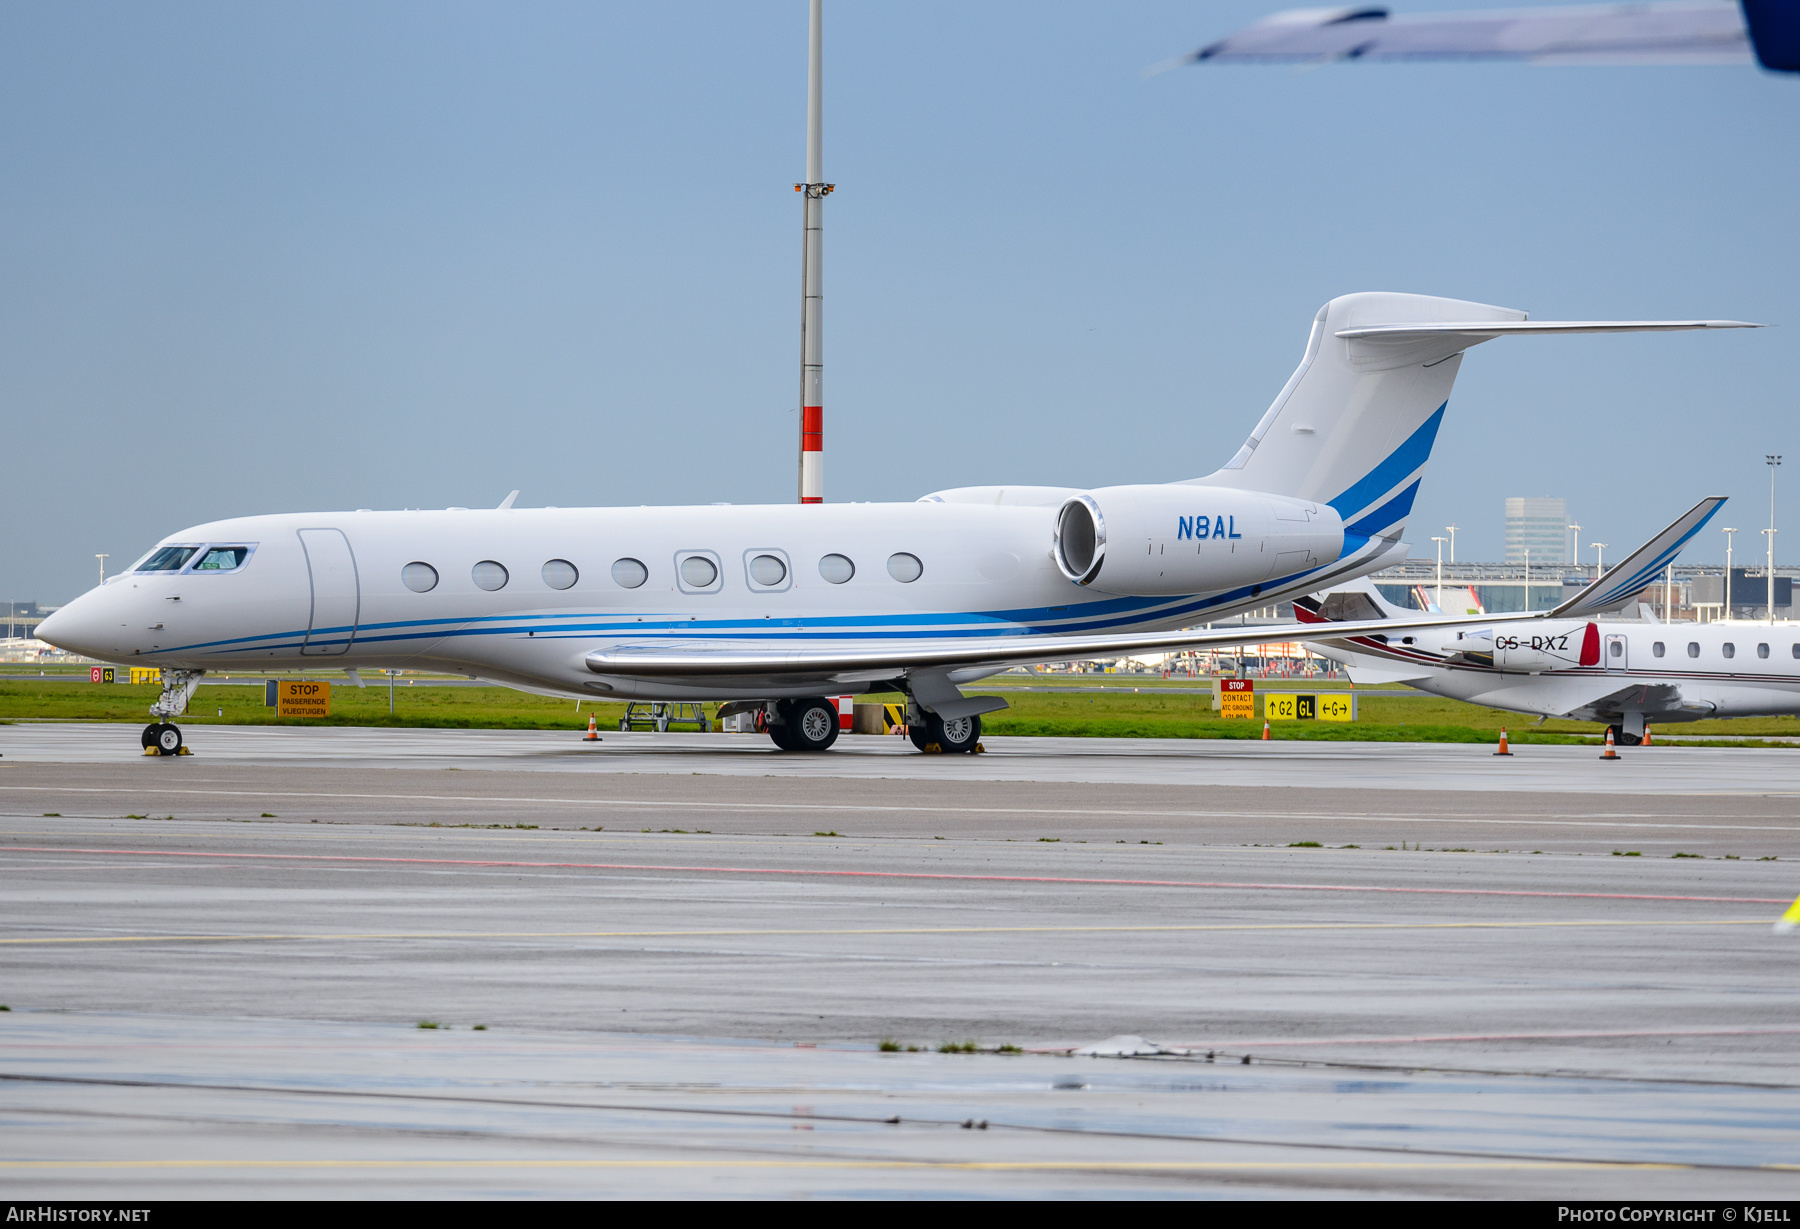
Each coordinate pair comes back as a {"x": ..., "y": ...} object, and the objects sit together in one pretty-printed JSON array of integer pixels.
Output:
[
  {"x": 811, "y": 725},
  {"x": 778, "y": 734},
  {"x": 959, "y": 734},
  {"x": 168, "y": 739},
  {"x": 150, "y": 733},
  {"x": 1622, "y": 739}
]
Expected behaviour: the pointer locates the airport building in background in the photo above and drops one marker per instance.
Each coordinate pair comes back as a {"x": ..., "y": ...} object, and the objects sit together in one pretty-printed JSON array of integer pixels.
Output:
[{"x": 1539, "y": 525}]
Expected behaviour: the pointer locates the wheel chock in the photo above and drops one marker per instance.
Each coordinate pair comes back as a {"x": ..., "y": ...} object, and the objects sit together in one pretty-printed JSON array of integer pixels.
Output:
[
  {"x": 151, "y": 751},
  {"x": 932, "y": 749},
  {"x": 979, "y": 750},
  {"x": 184, "y": 750}
]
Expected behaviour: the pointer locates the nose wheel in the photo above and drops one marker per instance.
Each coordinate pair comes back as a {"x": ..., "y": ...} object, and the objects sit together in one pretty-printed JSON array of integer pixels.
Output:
[{"x": 163, "y": 739}]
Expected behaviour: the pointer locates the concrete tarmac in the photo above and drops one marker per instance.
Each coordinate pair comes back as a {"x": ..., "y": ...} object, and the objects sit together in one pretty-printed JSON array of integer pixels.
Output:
[{"x": 211, "y": 1001}]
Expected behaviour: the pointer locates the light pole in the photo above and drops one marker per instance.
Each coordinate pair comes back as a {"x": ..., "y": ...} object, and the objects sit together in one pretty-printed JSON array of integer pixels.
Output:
[
  {"x": 1440, "y": 572},
  {"x": 1599, "y": 559},
  {"x": 1728, "y": 533},
  {"x": 1774, "y": 461},
  {"x": 1527, "y": 578},
  {"x": 1576, "y": 554},
  {"x": 102, "y": 559},
  {"x": 1451, "y": 530},
  {"x": 812, "y": 277}
]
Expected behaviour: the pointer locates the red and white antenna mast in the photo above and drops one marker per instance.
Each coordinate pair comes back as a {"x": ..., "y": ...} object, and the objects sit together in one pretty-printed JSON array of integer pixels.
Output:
[{"x": 812, "y": 278}]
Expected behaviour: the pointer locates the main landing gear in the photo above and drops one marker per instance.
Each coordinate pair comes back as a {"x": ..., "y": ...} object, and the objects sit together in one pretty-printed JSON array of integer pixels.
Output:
[
  {"x": 956, "y": 736},
  {"x": 805, "y": 725},
  {"x": 163, "y": 737}
]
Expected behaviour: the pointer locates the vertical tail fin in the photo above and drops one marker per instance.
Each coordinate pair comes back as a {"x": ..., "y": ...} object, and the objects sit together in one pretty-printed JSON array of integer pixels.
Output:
[{"x": 1355, "y": 423}]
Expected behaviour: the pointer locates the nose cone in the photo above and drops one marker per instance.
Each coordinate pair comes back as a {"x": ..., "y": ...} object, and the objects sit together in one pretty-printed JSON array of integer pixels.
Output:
[{"x": 84, "y": 626}]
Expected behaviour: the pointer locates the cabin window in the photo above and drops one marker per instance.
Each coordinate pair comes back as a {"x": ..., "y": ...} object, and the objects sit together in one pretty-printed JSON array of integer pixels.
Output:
[
  {"x": 1656, "y": 650},
  {"x": 419, "y": 577},
  {"x": 1616, "y": 648},
  {"x": 1693, "y": 648},
  {"x": 560, "y": 574},
  {"x": 168, "y": 559},
  {"x": 1762, "y": 650},
  {"x": 629, "y": 573},
  {"x": 837, "y": 569},
  {"x": 1729, "y": 649},
  {"x": 767, "y": 570},
  {"x": 905, "y": 568},
  {"x": 223, "y": 559},
  {"x": 1797, "y": 652},
  {"x": 699, "y": 572},
  {"x": 489, "y": 575}
]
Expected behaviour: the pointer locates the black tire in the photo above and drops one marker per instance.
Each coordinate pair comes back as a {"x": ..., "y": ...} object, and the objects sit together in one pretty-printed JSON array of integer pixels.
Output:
[
  {"x": 150, "y": 733},
  {"x": 1622, "y": 739},
  {"x": 811, "y": 724},
  {"x": 955, "y": 737},
  {"x": 168, "y": 739},
  {"x": 778, "y": 734}
]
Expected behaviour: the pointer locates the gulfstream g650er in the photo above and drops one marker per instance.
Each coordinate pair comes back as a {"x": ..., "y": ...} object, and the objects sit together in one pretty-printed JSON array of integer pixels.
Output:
[{"x": 777, "y": 606}]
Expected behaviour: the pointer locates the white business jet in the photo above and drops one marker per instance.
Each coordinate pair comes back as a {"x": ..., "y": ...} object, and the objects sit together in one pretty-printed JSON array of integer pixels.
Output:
[
  {"x": 775, "y": 607},
  {"x": 1572, "y": 665}
]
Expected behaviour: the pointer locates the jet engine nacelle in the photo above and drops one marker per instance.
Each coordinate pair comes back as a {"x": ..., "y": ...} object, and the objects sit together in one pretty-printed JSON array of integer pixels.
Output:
[
  {"x": 1167, "y": 541},
  {"x": 1537, "y": 649}
]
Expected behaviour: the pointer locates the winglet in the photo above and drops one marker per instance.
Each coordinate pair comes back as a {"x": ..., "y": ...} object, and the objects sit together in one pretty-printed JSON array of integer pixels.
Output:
[
  {"x": 1625, "y": 580},
  {"x": 507, "y": 502}
]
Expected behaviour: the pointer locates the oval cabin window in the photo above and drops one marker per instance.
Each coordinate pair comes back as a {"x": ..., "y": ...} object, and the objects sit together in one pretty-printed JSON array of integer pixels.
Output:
[
  {"x": 488, "y": 575},
  {"x": 767, "y": 570},
  {"x": 1762, "y": 650},
  {"x": 837, "y": 569},
  {"x": 560, "y": 574},
  {"x": 1656, "y": 650},
  {"x": 419, "y": 577},
  {"x": 629, "y": 573},
  {"x": 698, "y": 571},
  {"x": 1729, "y": 649},
  {"x": 1693, "y": 648},
  {"x": 905, "y": 568}
]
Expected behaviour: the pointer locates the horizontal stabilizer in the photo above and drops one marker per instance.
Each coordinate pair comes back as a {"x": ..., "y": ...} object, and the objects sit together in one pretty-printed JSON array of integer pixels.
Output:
[
  {"x": 1640, "y": 569},
  {"x": 1505, "y": 328}
]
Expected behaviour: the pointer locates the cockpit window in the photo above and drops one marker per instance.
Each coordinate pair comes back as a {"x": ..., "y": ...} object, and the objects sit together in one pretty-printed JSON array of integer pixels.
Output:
[
  {"x": 222, "y": 558},
  {"x": 167, "y": 559}
]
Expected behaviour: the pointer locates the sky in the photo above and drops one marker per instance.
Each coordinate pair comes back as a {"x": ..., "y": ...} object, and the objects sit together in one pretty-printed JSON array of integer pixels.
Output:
[{"x": 263, "y": 258}]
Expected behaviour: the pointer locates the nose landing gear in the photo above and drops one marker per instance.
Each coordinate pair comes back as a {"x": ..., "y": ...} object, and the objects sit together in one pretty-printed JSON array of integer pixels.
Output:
[{"x": 163, "y": 737}]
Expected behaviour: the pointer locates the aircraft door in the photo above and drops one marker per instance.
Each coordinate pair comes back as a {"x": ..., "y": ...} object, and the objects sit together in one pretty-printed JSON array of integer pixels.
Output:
[
  {"x": 336, "y": 595},
  {"x": 1616, "y": 656}
]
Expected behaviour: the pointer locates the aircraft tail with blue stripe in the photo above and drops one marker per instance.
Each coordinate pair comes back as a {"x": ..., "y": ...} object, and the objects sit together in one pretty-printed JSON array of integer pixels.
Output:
[{"x": 1354, "y": 425}]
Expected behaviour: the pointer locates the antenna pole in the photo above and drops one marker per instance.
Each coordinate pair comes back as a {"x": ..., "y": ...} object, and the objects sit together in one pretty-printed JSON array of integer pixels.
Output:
[{"x": 812, "y": 277}]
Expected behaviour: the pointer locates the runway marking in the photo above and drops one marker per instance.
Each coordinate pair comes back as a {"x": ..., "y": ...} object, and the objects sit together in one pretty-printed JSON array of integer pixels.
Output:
[
  {"x": 923, "y": 875},
  {"x": 665, "y": 804},
  {"x": 1777, "y": 1030},
  {"x": 869, "y": 930},
  {"x": 690, "y": 1163}
]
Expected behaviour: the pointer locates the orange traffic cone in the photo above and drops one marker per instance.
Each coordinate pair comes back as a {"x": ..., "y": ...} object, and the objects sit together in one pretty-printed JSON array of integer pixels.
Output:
[
  {"x": 593, "y": 734},
  {"x": 1609, "y": 753},
  {"x": 1503, "y": 750},
  {"x": 1646, "y": 741},
  {"x": 1265, "y": 736}
]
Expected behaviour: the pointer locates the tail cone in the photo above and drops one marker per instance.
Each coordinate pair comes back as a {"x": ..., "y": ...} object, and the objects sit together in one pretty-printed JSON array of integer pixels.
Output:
[
  {"x": 1503, "y": 750},
  {"x": 1609, "y": 753},
  {"x": 593, "y": 734}
]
